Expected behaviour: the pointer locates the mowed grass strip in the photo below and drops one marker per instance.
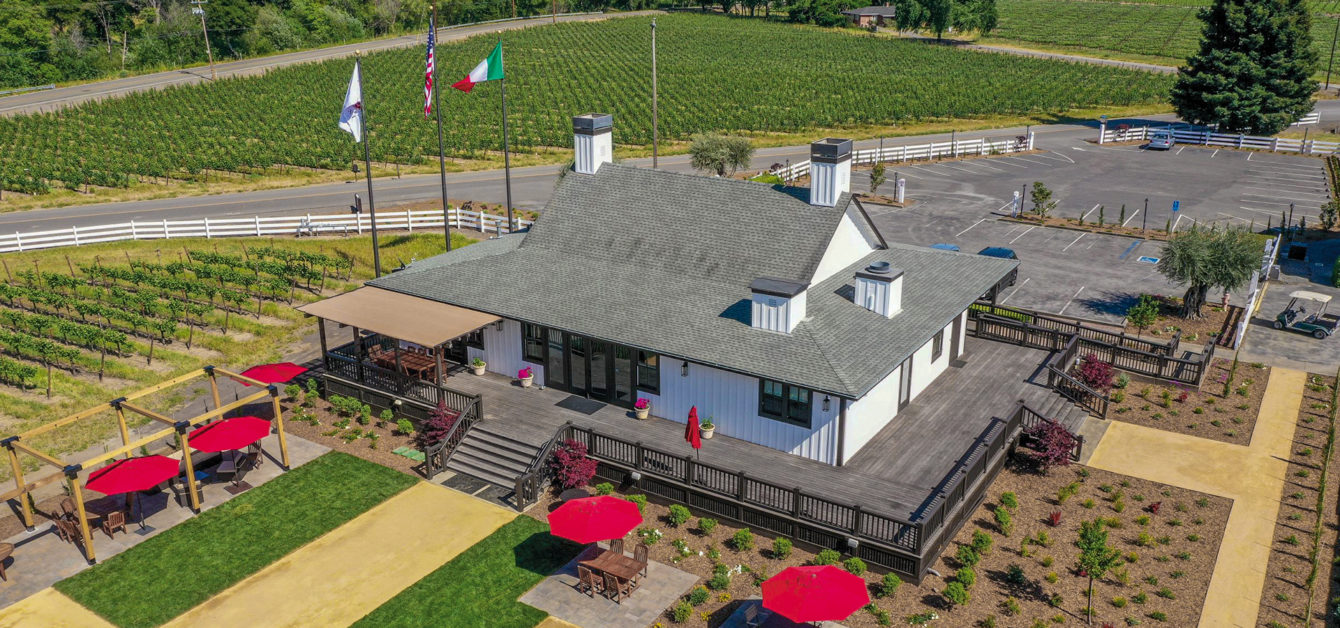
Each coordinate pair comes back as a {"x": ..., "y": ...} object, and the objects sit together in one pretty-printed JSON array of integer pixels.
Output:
[
  {"x": 480, "y": 587},
  {"x": 168, "y": 574}
]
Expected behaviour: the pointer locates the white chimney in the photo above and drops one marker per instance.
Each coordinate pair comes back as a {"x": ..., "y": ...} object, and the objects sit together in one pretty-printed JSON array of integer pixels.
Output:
[
  {"x": 592, "y": 141},
  {"x": 777, "y": 304},
  {"x": 879, "y": 289},
  {"x": 830, "y": 170}
]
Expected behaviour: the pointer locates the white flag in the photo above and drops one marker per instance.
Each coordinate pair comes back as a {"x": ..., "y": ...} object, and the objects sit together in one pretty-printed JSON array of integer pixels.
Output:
[{"x": 351, "y": 118}]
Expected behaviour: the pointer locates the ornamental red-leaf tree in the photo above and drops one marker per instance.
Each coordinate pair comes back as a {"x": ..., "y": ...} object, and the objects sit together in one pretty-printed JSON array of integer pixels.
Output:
[
  {"x": 438, "y": 425},
  {"x": 572, "y": 467},
  {"x": 1095, "y": 373},
  {"x": 1052, "y": 445}
]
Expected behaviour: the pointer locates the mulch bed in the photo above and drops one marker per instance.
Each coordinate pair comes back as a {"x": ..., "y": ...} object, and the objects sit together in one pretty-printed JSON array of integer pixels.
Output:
[
  {"x": 388, "y": 438},
  {"x": 1285, "y": 598},
  {"x": 1179, "y": 565},
  {"x": 1112, "y": 219},
  {"x": 1195, "y": 331},
  {"x": 1228, "y": 418}
]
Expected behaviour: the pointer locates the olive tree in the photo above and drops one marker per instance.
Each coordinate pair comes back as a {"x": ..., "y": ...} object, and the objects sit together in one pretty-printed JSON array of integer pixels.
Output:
[
  {"x": 1204, "y": 259},
  {"x": 720, "y": 154}
]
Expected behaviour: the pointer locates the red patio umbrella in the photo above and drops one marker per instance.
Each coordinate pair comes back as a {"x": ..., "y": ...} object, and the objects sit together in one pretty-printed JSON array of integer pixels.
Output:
[
  {"x": 277, "y": 373},
  {"x": 816, "y": 593},
  {"x": 132, "y": 474},
  {"x": 234, "y": 433},
  {"x": 592, "y": 519},
  {"x": 692, "y": 432}
]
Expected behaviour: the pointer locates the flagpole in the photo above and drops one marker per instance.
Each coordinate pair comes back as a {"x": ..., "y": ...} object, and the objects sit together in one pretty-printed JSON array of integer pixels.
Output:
[
  {"x": 507, "y": 157},
  {"x": 441, "y": 155},
  {"x": 367, "y": 165}
]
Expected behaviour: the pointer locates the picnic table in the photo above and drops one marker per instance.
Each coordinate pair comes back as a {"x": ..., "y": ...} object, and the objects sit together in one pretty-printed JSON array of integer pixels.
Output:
[
  {"x": 416, "y": 363},
  {"x": 614, "y": 563}
]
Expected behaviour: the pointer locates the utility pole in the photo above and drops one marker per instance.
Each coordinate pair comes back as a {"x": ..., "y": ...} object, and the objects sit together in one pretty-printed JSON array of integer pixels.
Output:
[
  {"x": 1332, "y": 60},
  {"x": 198, "y": 8},
  {"x": 655, "y": 132}
]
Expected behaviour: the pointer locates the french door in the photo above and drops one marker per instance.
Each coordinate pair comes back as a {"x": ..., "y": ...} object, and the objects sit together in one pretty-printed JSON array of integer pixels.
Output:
[{"x": 588, "y": 367}]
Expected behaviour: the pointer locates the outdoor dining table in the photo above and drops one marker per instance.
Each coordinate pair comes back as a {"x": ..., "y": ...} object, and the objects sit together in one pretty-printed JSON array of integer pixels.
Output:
[
  {"x": 416, "y": 363},
  {"x": 614, "y": 563},
  {"x": 104, "y": 506}
]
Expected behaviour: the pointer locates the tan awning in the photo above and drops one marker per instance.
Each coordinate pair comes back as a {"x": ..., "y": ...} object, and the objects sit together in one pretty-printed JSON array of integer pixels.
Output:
[{"x": 420, "y": 321}]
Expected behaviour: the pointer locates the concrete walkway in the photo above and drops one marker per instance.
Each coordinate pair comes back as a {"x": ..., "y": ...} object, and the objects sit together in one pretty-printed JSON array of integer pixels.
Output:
[
  {"x": 344, "y": 575},
  {"x": 1252, "y": 477}
]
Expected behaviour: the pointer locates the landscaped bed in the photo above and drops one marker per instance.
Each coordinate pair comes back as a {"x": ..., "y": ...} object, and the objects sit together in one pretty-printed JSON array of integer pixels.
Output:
[
  {"x": 1026, "y": 577},
  {"x": 1195, "y": 331},
  {"x": 180, "y": 568},
  {"x": 373, "y": 437},
  {"x": 480, "y": 587},
  {"x": 1224, "y": 409},
  {"x": 1303, "y": 511}
]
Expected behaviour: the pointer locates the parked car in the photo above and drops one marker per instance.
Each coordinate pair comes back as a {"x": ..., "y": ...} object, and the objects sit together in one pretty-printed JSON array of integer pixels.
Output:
[
  {"x": 998, "y": 251},
  {"x": 945, "y": 247},
  {"x": 1161, "y": 139}
]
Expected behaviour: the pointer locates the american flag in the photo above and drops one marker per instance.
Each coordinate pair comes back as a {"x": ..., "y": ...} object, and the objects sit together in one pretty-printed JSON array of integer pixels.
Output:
[{"x": 428, "y": 72}]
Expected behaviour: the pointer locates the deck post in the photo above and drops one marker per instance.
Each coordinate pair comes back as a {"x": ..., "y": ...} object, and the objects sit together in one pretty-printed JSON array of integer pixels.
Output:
[
  {"x": 72, "y": 474},
  {"x": 688, "y": 470},
  {"x": 637, "y": 459},
  {"x": 321, "y": 331},
  {"x": 19, "y": 483},
  {"x": 740, "y": 479},
  {"x": 795, "y": 502},
  {"x": 358, "y": 354},
  {"x": 441, "y": 374},
  {"x": 279, "y": 425}
]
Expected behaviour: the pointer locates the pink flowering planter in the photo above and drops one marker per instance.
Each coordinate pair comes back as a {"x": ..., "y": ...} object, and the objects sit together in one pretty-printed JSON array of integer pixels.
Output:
[
  {"x": 642, "y": 408},
  {"x": 526, "y": 376}
]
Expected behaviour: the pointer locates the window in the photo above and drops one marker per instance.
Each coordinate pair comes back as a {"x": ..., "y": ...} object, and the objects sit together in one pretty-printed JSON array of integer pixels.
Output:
[
  {"x": 649, "y": 372},
  {"x": 784, "y": 402},
  {"x": 475, "y": 339},
  {"x": 533, "y": 342},
  {"x": 937, "y": 345}
]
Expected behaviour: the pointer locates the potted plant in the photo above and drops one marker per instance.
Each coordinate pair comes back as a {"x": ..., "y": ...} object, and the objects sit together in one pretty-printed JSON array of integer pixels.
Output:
[
  {"x": 641, "y": 407},
  {"x": 707, "y": 428},
  {"x": 478, "y": 365},
  {"x": 526, "y": 375}
]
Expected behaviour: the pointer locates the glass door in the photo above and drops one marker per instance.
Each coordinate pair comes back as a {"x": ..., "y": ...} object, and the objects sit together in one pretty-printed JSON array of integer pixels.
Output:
[
  {"x": 623, "y": 376},
  {"x": 555, "y": 375},
  {"x": 577, "y": 364},
  {"x": 600, "y": 370},
  {"x": 905, "y": 384}
]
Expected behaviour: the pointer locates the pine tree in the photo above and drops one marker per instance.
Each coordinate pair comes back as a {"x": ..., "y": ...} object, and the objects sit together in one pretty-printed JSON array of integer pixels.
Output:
[{"x": 1253, "y": 73}]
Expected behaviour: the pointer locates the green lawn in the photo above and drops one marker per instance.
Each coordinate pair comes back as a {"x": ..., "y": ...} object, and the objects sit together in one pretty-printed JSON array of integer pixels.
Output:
[
  {"x": 480, "y": 586},
  {"x": 167, "y": 575}
]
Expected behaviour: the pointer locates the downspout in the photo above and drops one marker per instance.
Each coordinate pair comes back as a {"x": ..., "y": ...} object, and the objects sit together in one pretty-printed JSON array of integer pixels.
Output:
[{"x": 842, "y": 430}]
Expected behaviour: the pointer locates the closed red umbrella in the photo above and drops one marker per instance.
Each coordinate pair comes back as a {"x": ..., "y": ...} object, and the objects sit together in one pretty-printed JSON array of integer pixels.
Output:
[
  {"x": 277, "y": 373},
  {"x": 592, "y": 519},
  {"x": 234, "y": 433},
  {"x": 132, "y": 474},
  {"x": 813, "y": 594},
  {"x": 692, "y": 432}
]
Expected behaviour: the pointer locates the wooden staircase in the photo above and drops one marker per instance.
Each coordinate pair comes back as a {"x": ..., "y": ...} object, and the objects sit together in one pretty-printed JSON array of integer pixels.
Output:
[{"x": 492, "y": 457}]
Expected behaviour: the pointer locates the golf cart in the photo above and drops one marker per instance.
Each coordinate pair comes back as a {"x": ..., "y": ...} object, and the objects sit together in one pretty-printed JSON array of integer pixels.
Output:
[{"x": 1307, "y": 313}]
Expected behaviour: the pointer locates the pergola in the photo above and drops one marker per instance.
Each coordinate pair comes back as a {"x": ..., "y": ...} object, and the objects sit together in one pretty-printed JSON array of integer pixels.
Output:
[{"x": 16, "y": 444}]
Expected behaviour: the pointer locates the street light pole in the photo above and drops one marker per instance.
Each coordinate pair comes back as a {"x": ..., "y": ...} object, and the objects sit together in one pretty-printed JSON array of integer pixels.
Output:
[
  {"x": 198, "y": 8},
  {"x": 1332, "y": 60},
  {"x": 655, "y": 132}
]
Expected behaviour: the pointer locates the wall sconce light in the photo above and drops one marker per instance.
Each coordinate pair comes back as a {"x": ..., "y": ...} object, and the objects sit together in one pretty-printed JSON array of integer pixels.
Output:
[
  {"x": 827, "y": 399},
  {"x": 684, "y": 369},
  {"x": 498, "y": 325}
]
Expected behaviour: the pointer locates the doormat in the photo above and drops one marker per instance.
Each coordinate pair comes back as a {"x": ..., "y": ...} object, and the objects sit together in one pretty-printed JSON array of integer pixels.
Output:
[{"x": 580, "y": 404}]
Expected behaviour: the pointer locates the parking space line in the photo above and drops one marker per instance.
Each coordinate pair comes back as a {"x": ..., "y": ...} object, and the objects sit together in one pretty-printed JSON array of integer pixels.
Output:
[
  {"x": 1298, "y": 187},
  {"x": 1016, "y": 289},
  {"x": 967, "y": 165},
  {"x": 1258, "y": 210},
  {"x": 1175, "y": 223},
  {"x": 1016, "y": 238},
  {"x": 1295, "y": 174},
  {"x": 1249, "y": 155},
  {"x": 1005, "y": 161},
  {"x": 969, "y": 228},
  {"x": 1072, "y": 298},
  {"x": 1060, "y": 155},
  {"x": 1091, "y": 210},
  {"x": 923, "y": 170},
  {"x": 1131, "y": 218},
  {"x": 1072, "y": 242},
  {"x": 1302, "y": 199},
  {"x": 1232, "y": 217},
  {"x": 1216, "y": 152},
  {"x": 1036, "y": 163},
  {"x": 1179, "y": 150}
]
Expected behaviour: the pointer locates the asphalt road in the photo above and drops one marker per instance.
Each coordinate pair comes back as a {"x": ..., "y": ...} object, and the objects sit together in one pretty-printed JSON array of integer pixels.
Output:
[{"x": 50, "y": 100}]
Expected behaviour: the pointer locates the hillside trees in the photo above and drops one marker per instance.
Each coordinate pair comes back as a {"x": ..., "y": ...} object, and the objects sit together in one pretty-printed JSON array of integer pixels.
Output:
[{"x": 938, "y": 16}]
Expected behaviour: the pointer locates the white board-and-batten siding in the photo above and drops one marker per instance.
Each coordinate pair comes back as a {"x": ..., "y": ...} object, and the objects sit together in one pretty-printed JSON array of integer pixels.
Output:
[{"x": 503, "y": 351}]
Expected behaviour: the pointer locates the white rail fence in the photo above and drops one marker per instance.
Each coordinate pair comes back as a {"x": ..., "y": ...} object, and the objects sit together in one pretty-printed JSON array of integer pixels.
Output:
[
  {"x": 951, "y": 149},
  {"x": 1226, "y": 140},
  {"x": 1256, "y": 287},
  {"x": 309, "y": 225}
]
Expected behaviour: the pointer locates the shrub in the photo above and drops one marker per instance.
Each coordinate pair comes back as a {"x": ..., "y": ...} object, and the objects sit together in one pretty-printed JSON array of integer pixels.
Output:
[
  {"x": 573, "y": 468},
  {"x": 439, "y": 424},
  {"x": 981, "y": 542},
  {"x": 781, "y": 548},
  {"x": 743, "y": 540},
  {"x": 1010, "y": 607},
  {"x": 386, "y": 417},
  {"x": 889, "y": 585},
  {"x": 698, "y": 595},
  {"x": 1003, "y": 520},
  {"x": 1140, "y": 598},
  {"x": 827, "y": 557},
  {"x": 706, "y": 525},
  {"x": 678, "y": 516},
  {"x": 854, "y": 565},
  {"x": 719, "y": 581},
  {"x": 1166, "y": 593},
  {"x": 967, "y": 556},
  {"x": 1088, "y": 503},
  {"x": 956, "y": 594},
  {"x": 1056, "y": 600},
  {"x": 1054, "y": 519},
  {"x": 1154, "y": 507},
  {"x": 1047, "y": 561},
  {"x": 640, "y": 500},
  {"x": 1095, "y": 373},
  {"x": 1052, "y": 577},
  {"x": 1014, "y": 574},
  {"x": 1009, "y": 500},
  {"x": 1119, "y": 602},
  {"x": 404, "y": 427},
  {"x": 604, "y": 488},
  {"x": 1053, "y": 445},
  {"x": 1123, "y": 380},
  {"x": 967, "y": 576},
  {"x": 683, "y": 611}
]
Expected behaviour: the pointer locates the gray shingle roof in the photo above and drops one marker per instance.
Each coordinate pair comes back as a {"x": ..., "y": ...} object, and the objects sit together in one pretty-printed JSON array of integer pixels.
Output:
[{"x": 663, "y": 262}]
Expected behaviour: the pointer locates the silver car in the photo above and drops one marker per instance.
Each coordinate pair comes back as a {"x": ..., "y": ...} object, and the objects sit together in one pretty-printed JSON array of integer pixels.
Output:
[{"x": 1161, "y": 139}]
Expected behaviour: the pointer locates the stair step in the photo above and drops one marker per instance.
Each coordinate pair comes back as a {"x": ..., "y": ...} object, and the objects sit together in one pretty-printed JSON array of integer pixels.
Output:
[
  {"x": 500, "y": 442},
  {"x": 486, "y": 448},
  {"x": 481, "y": 474},
  {"x": 484, "y": 468}
]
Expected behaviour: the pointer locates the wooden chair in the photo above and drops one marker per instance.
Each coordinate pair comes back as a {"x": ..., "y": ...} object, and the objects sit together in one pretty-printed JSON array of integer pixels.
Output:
[
  {"x": 588, "y": 582},
  {"x": 616, "y": 546},
  {"x": 115, "y": 520},
  {"x": 615, "y": 589},
  {"x": 640, "y": 555},
  {"x": 67, "y": 509}
]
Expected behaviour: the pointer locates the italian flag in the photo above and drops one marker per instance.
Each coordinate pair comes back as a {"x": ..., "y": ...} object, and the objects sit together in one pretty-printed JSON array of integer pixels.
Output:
[{"x": 490, "y": 69}]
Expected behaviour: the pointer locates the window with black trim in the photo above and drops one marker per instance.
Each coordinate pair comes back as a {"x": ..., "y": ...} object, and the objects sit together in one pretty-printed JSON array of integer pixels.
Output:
[
  {"x": 784, "y": 402},
  {"x": 649, "y": 372},
  {"x": 533, "y": 342},
  {"x": 937, "y": 345},
  {"x": 475, "y": 339}
]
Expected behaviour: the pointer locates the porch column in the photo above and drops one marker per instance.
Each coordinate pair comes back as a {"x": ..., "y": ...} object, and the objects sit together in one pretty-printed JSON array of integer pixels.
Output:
[
  {"x": 441, "y": 375},
  {"x": 402, "y": 383},
  {"x": 321, "y": 331},
  {"x": 358, "y": 353}
]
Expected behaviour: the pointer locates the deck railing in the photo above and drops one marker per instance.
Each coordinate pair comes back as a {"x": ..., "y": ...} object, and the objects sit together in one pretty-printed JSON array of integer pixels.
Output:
[
  {"x": 538, "y": 474},
  {"x": 1069, "y": 386},
  {"x": 1030, "y": 418}
]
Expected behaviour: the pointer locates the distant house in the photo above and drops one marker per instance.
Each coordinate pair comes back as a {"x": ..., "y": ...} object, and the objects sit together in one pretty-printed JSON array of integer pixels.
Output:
[{"x": 871, "y": 16}]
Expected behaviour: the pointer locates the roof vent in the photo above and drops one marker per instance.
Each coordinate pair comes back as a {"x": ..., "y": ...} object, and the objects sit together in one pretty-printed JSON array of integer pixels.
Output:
[
  {"x": 777, "y": 304},
  {"x": 830, "y": 170},
  {"x": 592, "y": 141},
  {"x": 879, "y": 288}
]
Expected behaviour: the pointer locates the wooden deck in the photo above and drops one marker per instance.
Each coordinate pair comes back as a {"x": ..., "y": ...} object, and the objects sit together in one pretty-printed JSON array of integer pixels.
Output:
[{"x": 897, "y": 472}]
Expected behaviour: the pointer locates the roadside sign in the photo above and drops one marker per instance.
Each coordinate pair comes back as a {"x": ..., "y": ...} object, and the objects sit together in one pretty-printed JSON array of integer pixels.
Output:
[{"x": 1177, "y": 206}]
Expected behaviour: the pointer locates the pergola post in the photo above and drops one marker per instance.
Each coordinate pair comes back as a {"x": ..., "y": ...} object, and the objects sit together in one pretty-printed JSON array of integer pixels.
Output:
[
  {"x": 321, "y": 331},
  {"x": 72, "y": 473},
  {"x": 19, "y": 483},
  {"x": 191, "y": 488},
  {"x": 358, "y": 353},
  {"x": 279, "y": 424},
  {"x": 121, "y": 423},
  {"x": 213, "y": 385}
]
